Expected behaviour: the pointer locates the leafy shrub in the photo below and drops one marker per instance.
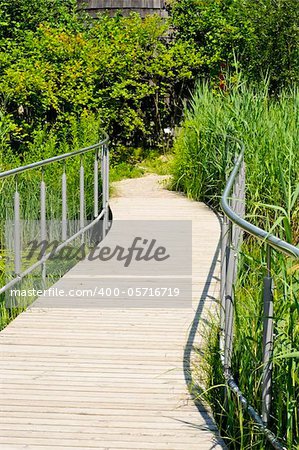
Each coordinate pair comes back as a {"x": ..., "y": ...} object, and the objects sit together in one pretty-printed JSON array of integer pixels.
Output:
[
  {"x": 20, "y": 15},
  {"x": 263, "y": 36},
  {"x": 122, "y": 69}
]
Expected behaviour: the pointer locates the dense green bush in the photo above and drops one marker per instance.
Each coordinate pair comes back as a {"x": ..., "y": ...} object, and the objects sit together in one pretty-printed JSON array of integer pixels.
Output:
[
  {"x": 262, "y": 35},
  {"x": 20, "y": 15},
  {"x": 122, "y": 69}
]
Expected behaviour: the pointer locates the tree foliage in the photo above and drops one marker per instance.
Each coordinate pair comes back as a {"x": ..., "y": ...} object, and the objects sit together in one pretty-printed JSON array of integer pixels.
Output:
[
  {"x": 125, "y": 70},
  {"x": 55, "y": 65},
  {"x": 19, "y": 15},
  {"x": 262, "y": 35}
]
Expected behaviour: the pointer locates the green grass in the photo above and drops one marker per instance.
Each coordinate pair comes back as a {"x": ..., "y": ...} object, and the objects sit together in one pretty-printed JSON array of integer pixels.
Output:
[
  {"x": 125, "y": 170},
  {"x": 142, "y": 164},
  {"x": 157, "y": 163},
  {"x": 269, "y": 128}
]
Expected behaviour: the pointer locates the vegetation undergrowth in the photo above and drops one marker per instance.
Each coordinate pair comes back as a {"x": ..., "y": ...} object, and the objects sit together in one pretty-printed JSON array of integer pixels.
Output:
[
  {"x": 142, "y": 163},
  {"x": 203, "y": 157}
]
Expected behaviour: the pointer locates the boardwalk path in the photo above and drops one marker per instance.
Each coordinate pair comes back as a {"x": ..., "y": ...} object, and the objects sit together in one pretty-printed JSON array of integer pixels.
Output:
[{"x": 78, "y": 378}]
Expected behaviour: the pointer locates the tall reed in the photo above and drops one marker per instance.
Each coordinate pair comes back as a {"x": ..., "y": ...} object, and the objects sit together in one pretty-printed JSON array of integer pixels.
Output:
[{"x": 269, "y": 129}]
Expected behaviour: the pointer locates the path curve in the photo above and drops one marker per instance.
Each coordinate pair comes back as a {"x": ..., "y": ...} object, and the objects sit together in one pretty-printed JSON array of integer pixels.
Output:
[{"x": 74, "y": 377}]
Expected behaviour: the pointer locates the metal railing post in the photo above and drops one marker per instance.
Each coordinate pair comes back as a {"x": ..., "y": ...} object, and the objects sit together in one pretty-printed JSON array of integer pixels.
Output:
[
  {"x": 267, "y": 341},
  {"x": 104, "y": 188},
  {"x": 229, "y": 301},
  {"x": 107, "y": 188},
  {"x": 43, "y": 231},
  {"x": 17, "y": 233},
  {"x": 243, "y": 192},
  {"x": 234, "y": 205},
  {"x": 224, "y": 240},
  {"x": 64, "y": 204},
  {"x": 96, "y": 185},
  {"x": 82, "y": 197}
]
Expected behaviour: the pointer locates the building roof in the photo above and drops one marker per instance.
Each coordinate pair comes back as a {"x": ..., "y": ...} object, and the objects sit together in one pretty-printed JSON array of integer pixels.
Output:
[{"x": 143, "y": 7}]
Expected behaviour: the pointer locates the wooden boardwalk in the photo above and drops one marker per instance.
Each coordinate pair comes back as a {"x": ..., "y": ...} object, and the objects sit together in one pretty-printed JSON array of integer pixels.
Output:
[{"x": 114, "y": 378}]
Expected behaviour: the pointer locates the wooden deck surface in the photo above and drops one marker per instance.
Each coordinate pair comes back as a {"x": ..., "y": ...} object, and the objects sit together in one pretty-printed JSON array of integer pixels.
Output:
[{"x": 114, "y": 378}]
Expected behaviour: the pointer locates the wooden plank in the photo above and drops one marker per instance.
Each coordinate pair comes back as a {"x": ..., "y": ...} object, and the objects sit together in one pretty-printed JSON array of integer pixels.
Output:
[{"x": 110, "y": 443}]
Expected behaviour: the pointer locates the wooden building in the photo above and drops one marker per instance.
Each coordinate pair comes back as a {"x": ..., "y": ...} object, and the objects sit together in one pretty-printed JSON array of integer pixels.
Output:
[{"x": 143, "y": 7}]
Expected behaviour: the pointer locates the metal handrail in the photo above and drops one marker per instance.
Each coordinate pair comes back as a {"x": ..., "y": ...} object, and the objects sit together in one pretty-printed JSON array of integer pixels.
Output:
[
  {"x": 48, "y": 161},
  {"x": 101, "y": 155},
  {"x": 259, "y": 233},
  {"x": 234, "y": 224}
]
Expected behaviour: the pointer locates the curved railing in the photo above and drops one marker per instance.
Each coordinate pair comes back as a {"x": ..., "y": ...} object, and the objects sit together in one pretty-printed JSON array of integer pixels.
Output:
[
  {"x": 100, "y": 204},
  {"x": 234, "y": 224}
]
